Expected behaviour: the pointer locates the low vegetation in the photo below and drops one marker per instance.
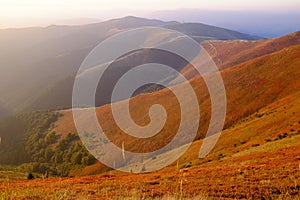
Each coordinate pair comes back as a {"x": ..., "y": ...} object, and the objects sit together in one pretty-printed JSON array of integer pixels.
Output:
[
  {"x": 38, "y": 149},
  {"x": 256, "y": 157}
]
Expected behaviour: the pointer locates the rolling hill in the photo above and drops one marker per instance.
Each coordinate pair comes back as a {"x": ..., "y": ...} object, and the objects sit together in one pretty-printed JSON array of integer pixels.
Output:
[
  {"x": 274, "y": 73},
  {"x": 256, "y": 157},
  {"x": 47, "y": 56},
  {"x": 233, "y": 52},
  {"x": 202, "y": 32},
  {"x": 225, "y": 54},
  {"x": 250, "y": 86}
]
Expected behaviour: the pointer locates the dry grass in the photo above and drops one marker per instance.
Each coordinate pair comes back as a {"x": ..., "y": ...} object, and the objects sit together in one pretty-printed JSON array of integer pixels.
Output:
[
  {"x": 257, "y": 157},
  {"x": 233, "y": 52},
  {"x": 250, "y": 86},
  {"x": 268, "y": 171}
]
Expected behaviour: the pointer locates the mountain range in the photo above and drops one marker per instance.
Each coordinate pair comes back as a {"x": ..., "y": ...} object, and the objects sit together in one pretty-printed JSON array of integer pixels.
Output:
[
  {"x": 256, "y": 156},
  {"x": 253, "y": 81},
  {"x": 45, "y": 60}
]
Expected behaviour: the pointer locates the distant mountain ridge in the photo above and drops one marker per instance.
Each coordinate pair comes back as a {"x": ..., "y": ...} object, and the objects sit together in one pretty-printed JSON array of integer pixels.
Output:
[
  {"x": 211, "y": 32},
  {"x": 37, "y": 58},
  {"x": 268, "y": 24}
]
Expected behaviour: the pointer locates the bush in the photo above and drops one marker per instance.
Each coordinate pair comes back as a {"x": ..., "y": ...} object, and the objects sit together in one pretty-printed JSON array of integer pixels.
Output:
[
  {"x": 88, "y": 160},
  {"x": 30, "y": 176}
]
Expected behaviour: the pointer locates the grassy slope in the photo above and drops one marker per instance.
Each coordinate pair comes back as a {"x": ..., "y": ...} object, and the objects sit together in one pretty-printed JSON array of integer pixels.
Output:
[
  {"x": 230, "y": 53},
  {"x": 256, "y": 157},
  {"x": 233, "y": 52},
  {"x": 250, "y": 160},
  {"x": 250, "y": 86}
]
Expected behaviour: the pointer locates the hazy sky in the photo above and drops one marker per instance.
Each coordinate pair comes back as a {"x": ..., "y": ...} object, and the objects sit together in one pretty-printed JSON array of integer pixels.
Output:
[{"x": 38, "y": 12}]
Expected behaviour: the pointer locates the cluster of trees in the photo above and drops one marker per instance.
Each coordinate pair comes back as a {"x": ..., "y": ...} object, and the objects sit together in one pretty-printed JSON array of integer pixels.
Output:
[
  {"x": 60, "y": 158},
  {"x": 15, "y": 131},
  {"x": 28, "y": 140}
]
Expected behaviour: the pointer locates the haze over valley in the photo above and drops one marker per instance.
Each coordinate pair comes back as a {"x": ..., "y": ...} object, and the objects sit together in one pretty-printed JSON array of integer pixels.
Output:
[{"x": 232, "y": 104}]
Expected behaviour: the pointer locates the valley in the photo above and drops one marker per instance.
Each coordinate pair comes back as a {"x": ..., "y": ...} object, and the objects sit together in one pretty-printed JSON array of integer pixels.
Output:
[{"x": 256, "y": 157}]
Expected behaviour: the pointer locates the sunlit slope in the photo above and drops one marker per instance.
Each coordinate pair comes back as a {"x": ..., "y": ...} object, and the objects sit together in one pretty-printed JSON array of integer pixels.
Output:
[
  {"x": 250, "y": 86},
  {"x": 228, "y": 53},
  {"x": 231, "y": 52},
  {"x": 257, "y": 158},
  {"x": 271, "y": 129},
  {"x": 268, "y": 137}
]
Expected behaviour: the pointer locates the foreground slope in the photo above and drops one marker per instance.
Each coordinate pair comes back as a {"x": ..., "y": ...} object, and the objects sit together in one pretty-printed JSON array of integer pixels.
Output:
[{"x": 258, "y": 158}]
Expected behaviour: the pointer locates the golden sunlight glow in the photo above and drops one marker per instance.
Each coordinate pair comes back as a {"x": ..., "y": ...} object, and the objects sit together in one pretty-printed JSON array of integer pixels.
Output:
[{"x": 18, "y": 12}]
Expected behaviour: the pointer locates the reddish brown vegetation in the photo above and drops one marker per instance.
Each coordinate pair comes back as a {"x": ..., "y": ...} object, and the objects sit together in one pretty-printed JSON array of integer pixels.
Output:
[{"x": 257, "y": 156}]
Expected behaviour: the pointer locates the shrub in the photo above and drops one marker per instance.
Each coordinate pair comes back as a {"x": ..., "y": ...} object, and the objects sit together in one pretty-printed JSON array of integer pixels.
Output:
[{"x": 30, "y": 176}]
